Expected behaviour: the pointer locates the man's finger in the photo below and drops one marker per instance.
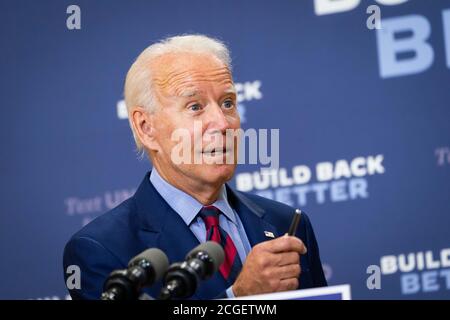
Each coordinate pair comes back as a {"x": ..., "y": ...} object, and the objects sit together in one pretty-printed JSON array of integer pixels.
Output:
[
  {"x": 289, "y": 271},
  {"x": 286, "y": 244},
  {"x": 289, "y": 284},
  {"x": 289, "y": 258}
]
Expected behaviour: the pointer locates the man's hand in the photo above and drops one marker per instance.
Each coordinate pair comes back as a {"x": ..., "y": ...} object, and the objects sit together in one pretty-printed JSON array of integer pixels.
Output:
[{"x": 271, "y": 266}]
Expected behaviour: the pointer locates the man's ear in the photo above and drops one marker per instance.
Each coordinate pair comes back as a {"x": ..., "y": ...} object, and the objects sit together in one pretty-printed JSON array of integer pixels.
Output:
[{"x": 143, "y": 125}]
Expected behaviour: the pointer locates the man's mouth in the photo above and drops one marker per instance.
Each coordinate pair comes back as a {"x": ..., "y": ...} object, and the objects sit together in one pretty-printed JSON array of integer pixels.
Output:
[{"x": 216, "y": 151}]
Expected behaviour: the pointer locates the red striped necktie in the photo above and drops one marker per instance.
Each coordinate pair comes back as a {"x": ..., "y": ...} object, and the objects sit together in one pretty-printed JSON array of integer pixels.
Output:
[{"x": 232, "y": 264}]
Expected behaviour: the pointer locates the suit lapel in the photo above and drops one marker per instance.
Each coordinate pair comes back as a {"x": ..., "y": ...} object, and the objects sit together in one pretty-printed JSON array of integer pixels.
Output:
[
  {"x": 160, "y": 225},
  {"x": 252, "y": 217}
]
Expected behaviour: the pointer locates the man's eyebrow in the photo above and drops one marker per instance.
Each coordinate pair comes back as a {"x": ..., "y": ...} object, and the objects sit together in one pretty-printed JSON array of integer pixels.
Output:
[
  {"x": 189, "y": 93},
  {"x": 231, "y": 90},
  {"x": 193, "y": 92}
]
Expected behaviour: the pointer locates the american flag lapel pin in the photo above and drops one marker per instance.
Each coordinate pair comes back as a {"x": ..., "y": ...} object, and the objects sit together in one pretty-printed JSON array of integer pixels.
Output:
[{"x": 269, "y": 234}]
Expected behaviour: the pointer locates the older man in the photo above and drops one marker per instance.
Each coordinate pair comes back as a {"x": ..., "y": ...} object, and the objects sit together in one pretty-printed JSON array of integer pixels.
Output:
[{"x": 182, "y": 86}]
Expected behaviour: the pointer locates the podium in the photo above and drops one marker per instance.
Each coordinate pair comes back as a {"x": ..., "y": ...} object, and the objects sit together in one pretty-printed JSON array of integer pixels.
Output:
[{"x": 340, "y": 292}]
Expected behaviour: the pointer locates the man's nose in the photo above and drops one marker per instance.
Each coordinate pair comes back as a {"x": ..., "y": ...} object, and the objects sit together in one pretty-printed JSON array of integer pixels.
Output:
[{"x": 216, "y": 119}]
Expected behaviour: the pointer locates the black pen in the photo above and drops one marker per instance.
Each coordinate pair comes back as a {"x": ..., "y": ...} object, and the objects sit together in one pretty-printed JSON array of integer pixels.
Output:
[{"x": 295, "y": 222}]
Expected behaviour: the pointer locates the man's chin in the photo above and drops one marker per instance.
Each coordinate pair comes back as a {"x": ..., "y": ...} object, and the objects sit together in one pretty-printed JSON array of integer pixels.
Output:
[{"x": 218, "y": 173}]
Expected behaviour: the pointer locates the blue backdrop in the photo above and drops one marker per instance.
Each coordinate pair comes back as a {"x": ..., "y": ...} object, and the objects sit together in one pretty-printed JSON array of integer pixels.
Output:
[{"x": 364, "y": 111}]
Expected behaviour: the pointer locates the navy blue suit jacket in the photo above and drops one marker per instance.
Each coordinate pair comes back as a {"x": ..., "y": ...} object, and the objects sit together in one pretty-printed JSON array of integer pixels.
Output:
[{"x": 147, "y": 221}]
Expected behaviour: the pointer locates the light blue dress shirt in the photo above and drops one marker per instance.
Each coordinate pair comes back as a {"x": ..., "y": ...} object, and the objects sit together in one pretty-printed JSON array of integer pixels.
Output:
[{"x": 188, "y": 208}]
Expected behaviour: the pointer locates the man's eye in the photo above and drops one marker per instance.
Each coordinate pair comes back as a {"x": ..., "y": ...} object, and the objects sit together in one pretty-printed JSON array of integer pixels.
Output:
[
  {"x": 195, "y": 107},
  {"x": 228, "y": 104}
]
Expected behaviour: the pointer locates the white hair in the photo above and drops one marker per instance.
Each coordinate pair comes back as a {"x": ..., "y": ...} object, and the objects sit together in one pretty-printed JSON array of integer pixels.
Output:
[{"x": 139, "y": 90}]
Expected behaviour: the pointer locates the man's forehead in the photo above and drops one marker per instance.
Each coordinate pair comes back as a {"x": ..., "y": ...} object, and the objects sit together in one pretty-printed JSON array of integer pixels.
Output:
[
  {"x": 192, "y": 91},
  {"x": 185, "y": 61},
  {"x": 182, "y": 74}
]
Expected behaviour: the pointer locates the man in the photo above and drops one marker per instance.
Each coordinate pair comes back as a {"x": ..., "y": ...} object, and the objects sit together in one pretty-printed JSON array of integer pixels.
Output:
[{"x": 183, "y": 85}]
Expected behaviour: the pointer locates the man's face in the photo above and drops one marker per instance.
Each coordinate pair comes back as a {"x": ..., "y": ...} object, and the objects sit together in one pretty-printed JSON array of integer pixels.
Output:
[{"x": 198, "y": 104}]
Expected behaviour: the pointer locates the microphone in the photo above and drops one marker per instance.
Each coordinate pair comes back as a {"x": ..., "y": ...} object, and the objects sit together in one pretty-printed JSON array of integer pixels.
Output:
[
  {"x": 201, "y": 263},
  {"x": 143, "y": 270}
]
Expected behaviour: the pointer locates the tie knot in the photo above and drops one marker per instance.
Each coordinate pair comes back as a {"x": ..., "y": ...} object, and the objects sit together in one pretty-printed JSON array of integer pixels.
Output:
[{"x": 210, "y": 216}]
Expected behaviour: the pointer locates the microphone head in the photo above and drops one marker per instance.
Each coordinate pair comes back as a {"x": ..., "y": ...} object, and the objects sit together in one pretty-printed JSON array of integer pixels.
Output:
[
  {"x": 213, "y": 250},
  {"x": 157, "y": 258}
]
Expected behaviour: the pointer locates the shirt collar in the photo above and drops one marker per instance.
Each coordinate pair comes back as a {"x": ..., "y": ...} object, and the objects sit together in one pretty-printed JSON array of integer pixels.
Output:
[{"x": 184, "y": 204}]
